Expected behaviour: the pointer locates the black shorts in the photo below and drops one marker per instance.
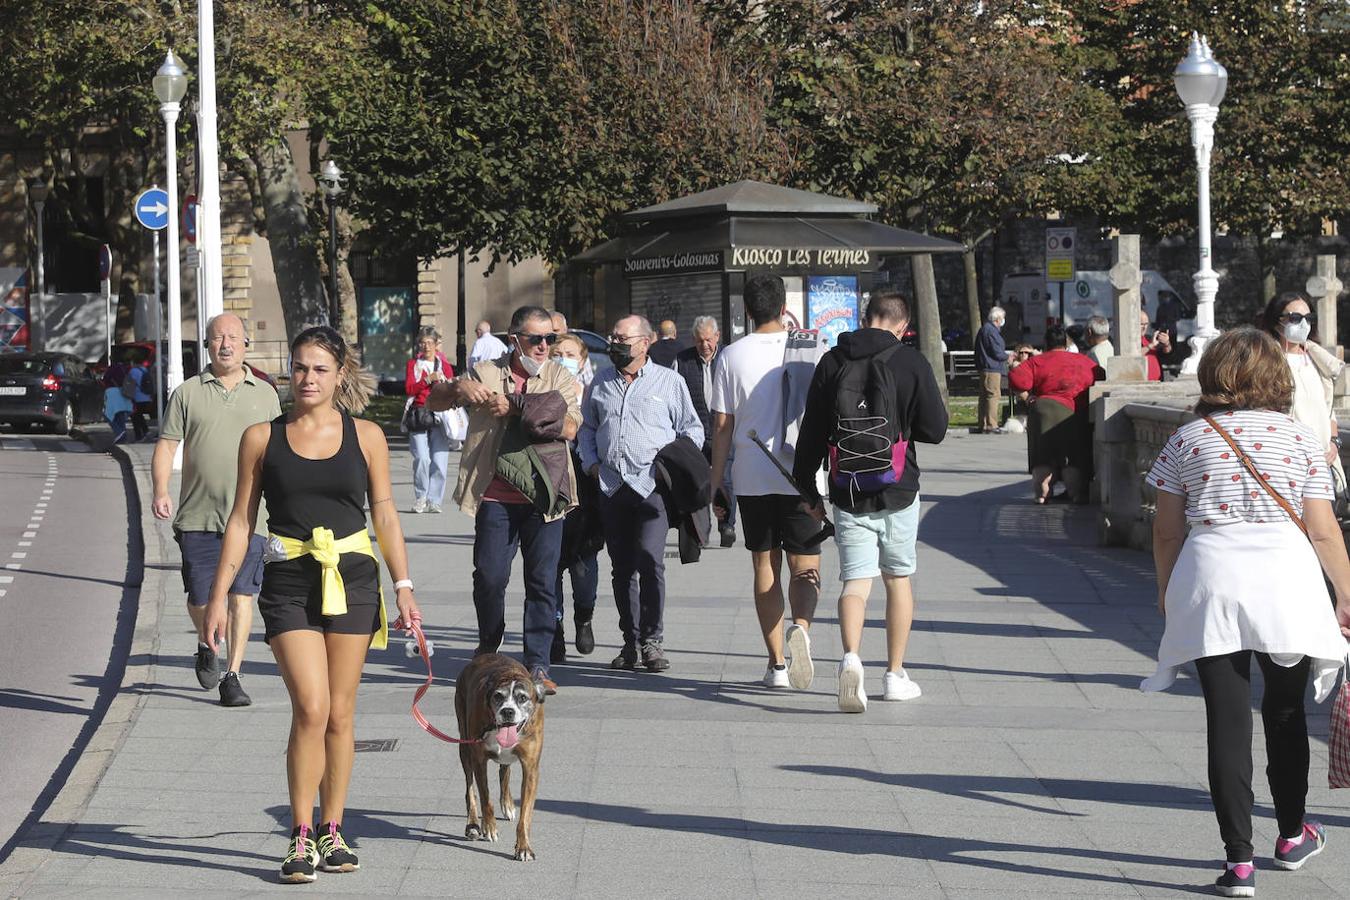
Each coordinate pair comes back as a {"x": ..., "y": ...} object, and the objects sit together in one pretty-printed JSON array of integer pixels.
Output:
[
  {"x": 201, "y": 554},
  {"x": 771, "y": 521},
  {"x": 292, "y": 600}
]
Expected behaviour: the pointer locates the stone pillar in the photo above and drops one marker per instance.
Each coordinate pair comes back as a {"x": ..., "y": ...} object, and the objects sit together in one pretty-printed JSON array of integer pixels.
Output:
[
  {"x": 1128, "y": 363},
  {"x": 930, "y": 320},
  {"x": 1325, "y": 288}
]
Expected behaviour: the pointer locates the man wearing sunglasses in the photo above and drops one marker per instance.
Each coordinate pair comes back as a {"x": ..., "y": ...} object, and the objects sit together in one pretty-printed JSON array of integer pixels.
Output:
[{"x": 516, "y": 479}]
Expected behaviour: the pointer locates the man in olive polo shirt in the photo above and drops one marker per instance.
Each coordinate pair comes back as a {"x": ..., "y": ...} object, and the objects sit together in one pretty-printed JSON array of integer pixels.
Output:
[{"x": 209, "y": 413}]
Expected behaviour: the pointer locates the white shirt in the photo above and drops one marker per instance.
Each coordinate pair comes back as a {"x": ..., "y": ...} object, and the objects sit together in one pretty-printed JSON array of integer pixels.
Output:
[
  {"x": 489, "y": 346},
  {"x": 747, "y": 384},
  {"x": 1101, "y": 352},
  {"x": 1199, "y": 465}
]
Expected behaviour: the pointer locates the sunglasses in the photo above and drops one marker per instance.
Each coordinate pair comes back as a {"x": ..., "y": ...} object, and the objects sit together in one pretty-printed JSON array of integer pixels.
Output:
[
  {"x": 1296, "y": 318},
  {"x": 534, "y": 340}
]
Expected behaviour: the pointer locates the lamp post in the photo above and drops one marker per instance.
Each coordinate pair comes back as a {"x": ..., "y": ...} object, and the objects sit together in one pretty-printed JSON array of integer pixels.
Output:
[
  {"x": 37, "y": 334},
  {"x": 1201, "y": 82},
  {"x": 331, "y": 178},
  {"x": 170, "y": 84}
]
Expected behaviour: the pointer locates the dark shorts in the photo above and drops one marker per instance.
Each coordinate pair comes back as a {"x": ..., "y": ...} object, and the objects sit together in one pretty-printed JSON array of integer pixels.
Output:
[
  {"x": 1058, "y": 437},
  {"x": 291, "y": 599},
  {"x": 771, "y": 521},
  {"x": 201, "y": 555}
]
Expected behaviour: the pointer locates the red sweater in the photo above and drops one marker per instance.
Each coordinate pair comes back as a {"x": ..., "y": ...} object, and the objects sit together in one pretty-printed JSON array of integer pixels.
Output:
[
  {"x": 1057, "y": 375},
  {"x": 418, "y": 387}
]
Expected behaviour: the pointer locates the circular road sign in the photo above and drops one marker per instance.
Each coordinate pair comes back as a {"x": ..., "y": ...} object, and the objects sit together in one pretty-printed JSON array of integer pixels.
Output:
[{"x": 152, "y": 208}]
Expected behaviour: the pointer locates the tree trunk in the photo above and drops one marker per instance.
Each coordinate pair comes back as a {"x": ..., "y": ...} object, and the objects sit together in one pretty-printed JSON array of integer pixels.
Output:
[
  {"x": 347, "y": 308},
  {"x": 299, "y": 278},
  {"x": 930, "y": 320},
  {"x": 972, "y": 293}
]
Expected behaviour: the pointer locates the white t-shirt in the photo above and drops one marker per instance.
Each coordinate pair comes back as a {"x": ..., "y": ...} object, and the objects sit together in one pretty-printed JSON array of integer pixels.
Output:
[
  {"x": 747, "y": 384},
  {"x": 1198, "y": 464}
]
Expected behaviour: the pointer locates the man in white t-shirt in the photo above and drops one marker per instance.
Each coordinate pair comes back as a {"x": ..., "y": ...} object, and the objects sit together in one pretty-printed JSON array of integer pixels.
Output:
[
  {"x": 488, "y": 346},
  {"x": 751, "y": 394}
]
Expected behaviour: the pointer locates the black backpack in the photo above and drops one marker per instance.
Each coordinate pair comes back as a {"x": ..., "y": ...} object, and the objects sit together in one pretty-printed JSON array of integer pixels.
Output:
[{"x": 867, "y": 446}]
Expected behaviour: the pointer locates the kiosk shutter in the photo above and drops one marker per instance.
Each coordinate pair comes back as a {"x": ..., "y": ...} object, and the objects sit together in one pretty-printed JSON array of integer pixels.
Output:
[{"x": 680, "y": 298}]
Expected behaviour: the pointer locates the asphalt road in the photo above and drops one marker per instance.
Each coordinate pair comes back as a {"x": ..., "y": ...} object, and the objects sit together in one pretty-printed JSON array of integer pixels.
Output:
[{"x": 67, "y": 604}]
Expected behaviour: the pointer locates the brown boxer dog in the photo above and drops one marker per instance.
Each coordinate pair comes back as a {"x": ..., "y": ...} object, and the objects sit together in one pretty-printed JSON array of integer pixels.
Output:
[{"x": 497, "y": 702}]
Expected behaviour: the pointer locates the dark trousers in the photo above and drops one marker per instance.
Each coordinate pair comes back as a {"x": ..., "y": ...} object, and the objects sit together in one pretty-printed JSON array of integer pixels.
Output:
[
  {"x": 499, "y": 528},
  {"x": 635, "y": 533},
  {"x": 585, "y": 575},
  {"x": 1227, "y": 684}
]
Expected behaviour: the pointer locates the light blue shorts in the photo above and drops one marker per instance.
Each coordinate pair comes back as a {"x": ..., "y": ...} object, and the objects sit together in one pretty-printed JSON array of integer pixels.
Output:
[{"x": 871, "y": 544}]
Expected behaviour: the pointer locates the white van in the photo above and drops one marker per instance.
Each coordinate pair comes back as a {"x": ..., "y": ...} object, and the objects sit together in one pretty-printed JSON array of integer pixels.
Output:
[{"x": 1038, "y": 303}]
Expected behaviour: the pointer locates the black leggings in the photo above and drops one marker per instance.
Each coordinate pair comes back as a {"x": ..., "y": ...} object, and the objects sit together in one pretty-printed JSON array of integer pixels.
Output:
[{"x": 1226, "y": 681}]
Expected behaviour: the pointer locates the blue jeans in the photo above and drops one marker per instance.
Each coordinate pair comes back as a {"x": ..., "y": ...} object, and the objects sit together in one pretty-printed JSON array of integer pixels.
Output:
[
  {"x": 635, "y": 533},
  {"x": 431, "y": 459},
  {"x": 585, "y": 573},
  {"x": 499, "y": 528}
]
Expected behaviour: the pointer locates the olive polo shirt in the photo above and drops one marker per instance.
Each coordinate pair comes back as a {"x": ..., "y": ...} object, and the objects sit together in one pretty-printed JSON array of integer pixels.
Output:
[{"x": 210, "y": 421}]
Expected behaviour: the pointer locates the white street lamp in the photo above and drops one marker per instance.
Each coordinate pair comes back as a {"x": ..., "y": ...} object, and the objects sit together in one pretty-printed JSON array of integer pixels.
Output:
[
  {"x": 37, "y": 334},
  {"x": 330, "y": 176},
  {"x": 170, "y": 84},
  {"x": 1201, "y": 82}
]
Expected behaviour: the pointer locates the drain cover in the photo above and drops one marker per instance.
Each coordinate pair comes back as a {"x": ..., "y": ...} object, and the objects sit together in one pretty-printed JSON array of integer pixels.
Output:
[{"x": 381, "y": 745}]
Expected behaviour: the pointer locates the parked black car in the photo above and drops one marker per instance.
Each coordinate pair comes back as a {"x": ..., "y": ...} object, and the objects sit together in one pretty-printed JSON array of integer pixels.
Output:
[{"x": 55, "y": 390}]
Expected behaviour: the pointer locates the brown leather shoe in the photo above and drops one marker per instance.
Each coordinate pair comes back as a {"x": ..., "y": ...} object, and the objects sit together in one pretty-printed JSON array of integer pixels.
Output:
[{"x": 653, "y": 657}]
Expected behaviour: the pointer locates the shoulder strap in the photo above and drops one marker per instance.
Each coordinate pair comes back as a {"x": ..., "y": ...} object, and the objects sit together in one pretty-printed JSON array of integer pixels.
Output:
[{"x": 1251, "y": 467}]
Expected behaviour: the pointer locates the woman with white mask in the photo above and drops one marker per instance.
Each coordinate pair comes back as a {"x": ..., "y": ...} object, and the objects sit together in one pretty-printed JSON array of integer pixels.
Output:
[{"x": 1289, "y": 319}]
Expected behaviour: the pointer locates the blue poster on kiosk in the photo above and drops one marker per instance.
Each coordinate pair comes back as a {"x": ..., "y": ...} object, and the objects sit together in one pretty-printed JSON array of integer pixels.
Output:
[{"x": 832, "y": 305}]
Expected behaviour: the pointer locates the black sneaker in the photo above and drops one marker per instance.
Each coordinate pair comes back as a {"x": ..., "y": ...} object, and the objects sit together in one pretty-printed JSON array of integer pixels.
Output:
[
  {"x": 653, "y": 657},
  {"x": 627, "y": 658},
  {"x": 585, "y": 638},
  {"x": 336, "y": 855},
  {"x": 208, "y": 667},
  {"x": 231, "y": 692},
  {"x": 557, "y": 654},
  {"x": 1239, "y": 881},
  {"x": 303, "y": 856},
  {"x": 728, "y": 533}
]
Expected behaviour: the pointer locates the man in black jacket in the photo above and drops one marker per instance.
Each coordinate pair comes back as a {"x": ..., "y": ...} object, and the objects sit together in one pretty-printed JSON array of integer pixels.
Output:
[
  {"x": 695, "y": 364},
  {"x": 875, "y": 532}
]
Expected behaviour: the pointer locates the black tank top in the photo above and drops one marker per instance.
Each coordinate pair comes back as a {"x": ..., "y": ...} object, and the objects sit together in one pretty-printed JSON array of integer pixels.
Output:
[{"x": 304, "y": 493}]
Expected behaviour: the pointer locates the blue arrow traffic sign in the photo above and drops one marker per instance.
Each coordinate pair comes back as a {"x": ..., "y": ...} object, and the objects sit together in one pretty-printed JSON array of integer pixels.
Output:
[{"x": 152, "y": 208}]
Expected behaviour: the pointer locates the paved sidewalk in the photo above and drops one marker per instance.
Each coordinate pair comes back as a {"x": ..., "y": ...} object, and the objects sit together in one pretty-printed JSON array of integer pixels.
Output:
[{"x": 1032, "y": 765}]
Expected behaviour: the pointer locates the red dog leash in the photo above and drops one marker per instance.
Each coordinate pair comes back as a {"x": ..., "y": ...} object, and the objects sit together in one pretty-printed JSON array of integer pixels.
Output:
[{"x": 415, "y": 628}]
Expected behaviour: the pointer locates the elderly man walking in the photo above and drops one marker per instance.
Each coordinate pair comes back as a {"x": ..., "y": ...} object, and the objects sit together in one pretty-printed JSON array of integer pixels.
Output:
[
  {"x": 516, "y": 479},
  {"x": 208, "y": 414},
  {"x": 695, "y": 364},
  {"x": 631, "y": 412},
  {"x": 991, "y": 361}
]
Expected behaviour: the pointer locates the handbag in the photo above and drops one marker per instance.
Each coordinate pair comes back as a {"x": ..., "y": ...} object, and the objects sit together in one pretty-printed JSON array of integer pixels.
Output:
[
  {"x": 1251, "y": 468},
  {"x": 419, "y": 418},
  {"x": 1338, "y": 741},
  {"x": 455, "y": 423}
]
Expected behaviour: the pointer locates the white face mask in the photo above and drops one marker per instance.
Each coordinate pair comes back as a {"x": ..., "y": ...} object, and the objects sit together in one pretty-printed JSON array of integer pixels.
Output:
[
  {"x": 1297, "y": 332},
  {"x": 571, "y": 365},
  {"x": 530, "y": 365}
]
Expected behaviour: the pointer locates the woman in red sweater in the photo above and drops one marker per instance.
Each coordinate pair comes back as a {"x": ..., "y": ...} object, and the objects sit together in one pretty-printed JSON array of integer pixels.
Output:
[
  {"x": 427, "y": 440},
  {"x": 1059, "y": 437}
]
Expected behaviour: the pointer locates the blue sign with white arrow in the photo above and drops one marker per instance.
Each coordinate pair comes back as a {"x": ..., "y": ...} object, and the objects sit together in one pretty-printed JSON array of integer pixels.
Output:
[{"x": 152, "y": 208}]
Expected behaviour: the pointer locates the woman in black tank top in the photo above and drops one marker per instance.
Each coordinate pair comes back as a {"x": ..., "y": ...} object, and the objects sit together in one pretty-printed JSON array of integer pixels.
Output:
[{"x": 317, "y": 467}]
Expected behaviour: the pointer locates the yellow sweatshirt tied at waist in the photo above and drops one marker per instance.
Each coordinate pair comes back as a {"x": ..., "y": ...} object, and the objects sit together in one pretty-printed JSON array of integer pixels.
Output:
[{"x": 326, "y": 552}]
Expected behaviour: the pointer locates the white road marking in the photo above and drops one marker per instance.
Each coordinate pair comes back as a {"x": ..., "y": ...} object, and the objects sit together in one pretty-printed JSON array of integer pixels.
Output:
[
  {"x": 15, "y": 566},
  {"x": 25, "y": 543},
  {"x": 19, "y": 554},
  {"x": 30, "y": 534},
  {"x": 2, "y": 592},
  {"x": 6, "y": 579}
]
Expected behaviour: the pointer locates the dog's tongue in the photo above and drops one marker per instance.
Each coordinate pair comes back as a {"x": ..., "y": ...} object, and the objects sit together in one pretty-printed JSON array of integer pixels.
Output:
[{"x": 508, "y": 736}]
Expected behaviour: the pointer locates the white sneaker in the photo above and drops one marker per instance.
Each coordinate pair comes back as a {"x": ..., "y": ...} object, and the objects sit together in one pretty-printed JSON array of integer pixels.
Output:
[
  {"x": 852, "y": 696},
  {"x": 433, "y": 507},
  {"x": 775, "y": 678},
  {"x": 419, "y": 505},
  {"x": 897, "y": 686},
  {"x": 800, "y": 668}
]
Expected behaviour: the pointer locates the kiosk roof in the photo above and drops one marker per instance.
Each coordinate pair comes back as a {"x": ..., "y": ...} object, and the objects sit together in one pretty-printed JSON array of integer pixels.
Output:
[{"x": 752, "y": 198}]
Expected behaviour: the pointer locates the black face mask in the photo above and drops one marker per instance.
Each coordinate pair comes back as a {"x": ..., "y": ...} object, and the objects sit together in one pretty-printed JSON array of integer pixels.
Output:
[{"x": 620, "y": 354}]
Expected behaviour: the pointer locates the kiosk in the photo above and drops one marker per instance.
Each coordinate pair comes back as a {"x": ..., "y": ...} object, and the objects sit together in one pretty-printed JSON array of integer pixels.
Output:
[{"x": 691, "y": 257}]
